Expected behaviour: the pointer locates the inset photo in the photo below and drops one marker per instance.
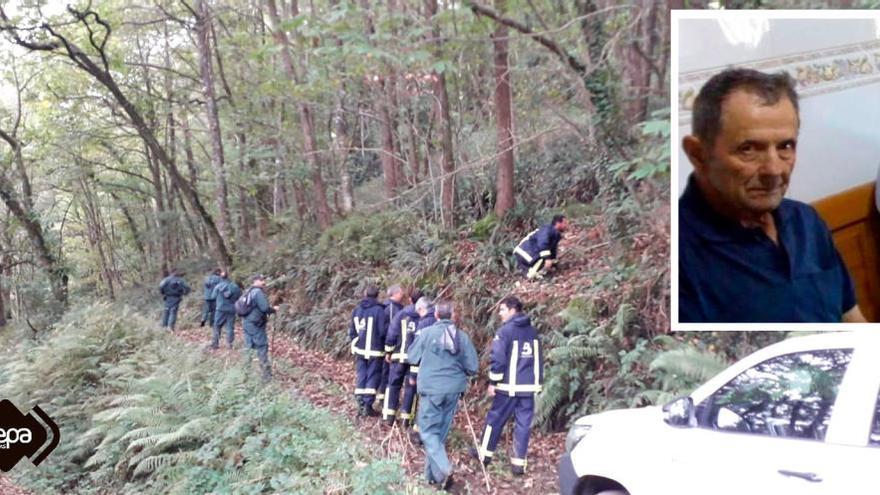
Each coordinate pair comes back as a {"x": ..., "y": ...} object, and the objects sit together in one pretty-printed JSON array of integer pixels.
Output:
[{"x": 776, "y": 151}]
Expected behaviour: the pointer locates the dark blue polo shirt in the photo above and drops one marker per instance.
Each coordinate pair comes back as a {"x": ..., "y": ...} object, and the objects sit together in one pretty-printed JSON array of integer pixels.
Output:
[{"x": 729, "y": 273}]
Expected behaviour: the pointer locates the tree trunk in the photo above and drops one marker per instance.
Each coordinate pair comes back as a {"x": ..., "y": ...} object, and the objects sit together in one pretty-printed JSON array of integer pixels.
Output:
[
  {"x": 441, "y": 99},
  {"x": 306, "y": 118},
  {"x": 206, "y": 69},
  {"x": 29, "y": 219},
  {"x": 504, "y": 195}
]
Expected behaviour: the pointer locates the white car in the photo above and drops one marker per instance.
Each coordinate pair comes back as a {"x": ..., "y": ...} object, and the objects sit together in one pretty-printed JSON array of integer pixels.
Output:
[{"x": 800, "y": 417}]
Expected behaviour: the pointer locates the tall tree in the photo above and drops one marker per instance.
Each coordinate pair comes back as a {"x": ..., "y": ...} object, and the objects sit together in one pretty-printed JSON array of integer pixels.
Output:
[
  {"x": 206, "y": 69},
  {"x": 441, "y": 112},
  {"x": 504, "y": 197}
]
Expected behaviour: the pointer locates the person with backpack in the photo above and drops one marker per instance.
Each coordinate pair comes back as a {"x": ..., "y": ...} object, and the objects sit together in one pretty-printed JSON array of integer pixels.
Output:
[
  {"x": 516, "y": 374},
  {"x": 425, "y": 308},
  {"x": 446, "y": 359},
  {"x": 211, "y": 281},
  {"x": 226, "y": 292},
  {"x": 366, "y": 330},
  {"x": 172, "y": 288},
  {"x": 254, "y": 308},
  {"x": 398, "y": 340},
  {"x": 536, "y": 253}
]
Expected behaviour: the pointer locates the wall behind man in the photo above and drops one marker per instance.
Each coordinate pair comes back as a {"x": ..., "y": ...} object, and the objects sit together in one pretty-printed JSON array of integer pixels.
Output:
[{"x": 837, "y": 65}]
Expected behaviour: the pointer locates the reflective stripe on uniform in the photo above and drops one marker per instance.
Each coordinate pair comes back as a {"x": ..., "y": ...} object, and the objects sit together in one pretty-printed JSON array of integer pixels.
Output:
[
  {"x": 511, "y": 370},
  {"x": 536, "y": 364},
  {"x": 536, "y": 268},
  {"x": 523, "y": 254},
  {"x": 369, "y": 354},
  {"x": 413, "y": 369},
  {"x": 496, "y": 377},
  {"x": 512, "y": 389},
  {"x": 516, "y": 461},
  {"x": 545, "y": 253},
  {"x": 484, "y": 445},
  {"x": 389, "y": 348},
  {"x": 404, "y": 415},
  {"x": 400, "y": 356},
  {"x": 365, "y": 391}
]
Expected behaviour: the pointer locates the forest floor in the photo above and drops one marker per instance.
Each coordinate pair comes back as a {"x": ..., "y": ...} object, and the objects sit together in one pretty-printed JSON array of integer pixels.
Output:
[{"x": 328, "y": 382}]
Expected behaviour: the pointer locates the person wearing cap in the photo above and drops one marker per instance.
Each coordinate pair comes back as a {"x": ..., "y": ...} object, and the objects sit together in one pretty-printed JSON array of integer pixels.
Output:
[
  {"x": 255, "y": 338},
  {"x": 366, "y": 330},
  {"x": 226, "y": 292},
  {"x": 446, "y": 359},
  {"x": 172, "y": 288},
  {"x": 516, "y": 374},
  {"x": 393, "y": 305},
  {"x": 398, "y": 340},
  {"x": 536, "y": 253},
  {"x": 211, "y": 281}
]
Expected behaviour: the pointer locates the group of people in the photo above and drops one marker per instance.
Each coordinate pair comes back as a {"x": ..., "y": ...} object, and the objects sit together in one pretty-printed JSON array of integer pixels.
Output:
[
  {"x": 430, "y": 360},
  {"x": 223, "y": 301},
  {"x": 411, "y": 359}
]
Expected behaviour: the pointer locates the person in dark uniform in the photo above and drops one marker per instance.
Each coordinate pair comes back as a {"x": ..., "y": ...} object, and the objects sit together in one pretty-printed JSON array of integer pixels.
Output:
[
  {"x": 367, "y": 333},
  {"x": 393, "y": 305},
  {"x": 516, "y": 375},
  {"x": 536, "y": 253},
  {"x": 398, "y": 340},
  {"x": 172, "y": 288},
  {"x": 225, "y": 293},
  {"x": 211, "y": 281},
  {"x": 254, "y": 323}
]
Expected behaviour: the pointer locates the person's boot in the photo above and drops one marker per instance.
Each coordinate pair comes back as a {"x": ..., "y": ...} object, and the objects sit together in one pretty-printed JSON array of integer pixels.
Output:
[
  {"x": 406, "y": 423},
  {"x": 202, "y": 323},
  {"x": 415, "y": 438},
  {"x": 389, "y": 421},
  {"x": 370, "y": 412},
  {"x": 476, "y": 455},
  {"x": 447, "y": 483},
  {"x": 517, "y": 470}
]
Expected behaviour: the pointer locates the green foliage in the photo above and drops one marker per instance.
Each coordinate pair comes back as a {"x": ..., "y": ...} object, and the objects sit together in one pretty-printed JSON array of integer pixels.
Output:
[
  {"x": 653, "y": 157},
  {"x": 140, "y": 413}
]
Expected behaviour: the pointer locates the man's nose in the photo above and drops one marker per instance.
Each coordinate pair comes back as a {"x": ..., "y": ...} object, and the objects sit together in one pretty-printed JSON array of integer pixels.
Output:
[{"x": 774, "y": 163}]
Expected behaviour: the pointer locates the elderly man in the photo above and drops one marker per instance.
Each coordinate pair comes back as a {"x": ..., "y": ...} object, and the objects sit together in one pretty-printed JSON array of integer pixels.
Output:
[
  {"x": 746, "y": 254},
  {"x": 446, "y": 358}
]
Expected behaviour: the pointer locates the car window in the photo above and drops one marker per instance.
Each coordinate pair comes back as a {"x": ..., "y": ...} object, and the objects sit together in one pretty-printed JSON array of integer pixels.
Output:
[
  {"x": 874, "y": 438},
  {"x": 788, "y": 396}
]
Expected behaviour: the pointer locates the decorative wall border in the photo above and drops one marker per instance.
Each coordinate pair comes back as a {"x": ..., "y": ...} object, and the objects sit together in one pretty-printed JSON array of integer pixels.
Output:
[{"x": 817, "y": 72}]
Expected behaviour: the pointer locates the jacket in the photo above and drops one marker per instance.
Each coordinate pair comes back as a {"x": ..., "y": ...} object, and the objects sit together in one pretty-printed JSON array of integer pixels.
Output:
[
  {"x": 226, "y": 292},
  {"x": 401, "y": 333},
  {"x": 211, "y": 281},
  {"x": 540, "y": 243},
  {"x": 260, "y": 314},
  {"x": 517, "y": 362},
  {"x": 446, "y": 358},
  {"x": 173, "y": 288},
  {"x": 366, "y": 329}
]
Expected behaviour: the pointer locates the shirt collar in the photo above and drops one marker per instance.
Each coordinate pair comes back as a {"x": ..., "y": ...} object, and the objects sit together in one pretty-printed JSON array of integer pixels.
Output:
[{"x": 704, "y": 221}]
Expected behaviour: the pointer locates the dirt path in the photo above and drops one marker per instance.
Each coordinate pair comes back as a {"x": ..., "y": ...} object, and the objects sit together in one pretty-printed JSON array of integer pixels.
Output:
[{"x": 328, "y": 382}]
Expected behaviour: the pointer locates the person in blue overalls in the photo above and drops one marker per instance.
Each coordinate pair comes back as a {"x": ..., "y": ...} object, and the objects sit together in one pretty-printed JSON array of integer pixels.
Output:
[
  {"x": 367, "y": 333},
  {"x": 536, "y": 253},
  {"x": 398, "y": 340},
  {"x": 515, "y": 375}
]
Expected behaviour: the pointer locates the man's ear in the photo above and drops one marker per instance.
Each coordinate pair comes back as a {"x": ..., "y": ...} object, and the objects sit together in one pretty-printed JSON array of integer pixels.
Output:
[{"x": 696, "y": 152}]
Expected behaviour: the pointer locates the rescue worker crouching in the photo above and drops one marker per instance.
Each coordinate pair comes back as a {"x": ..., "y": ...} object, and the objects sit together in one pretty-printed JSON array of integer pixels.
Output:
[
  {"x": 367, "y": 333},
  {"x": 536, "y": 253},
  {"x": 516, "y": 374}
]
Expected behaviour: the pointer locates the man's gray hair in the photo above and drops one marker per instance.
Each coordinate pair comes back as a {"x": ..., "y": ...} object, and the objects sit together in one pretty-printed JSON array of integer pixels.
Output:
[
  {"x": 394, "y": 289},
  {"x": 444, "y": 310},
  {"x": 423, "y": 303}
]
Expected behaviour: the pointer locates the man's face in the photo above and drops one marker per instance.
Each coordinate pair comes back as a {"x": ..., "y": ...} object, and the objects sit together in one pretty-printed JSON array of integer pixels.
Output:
[
  {"x": 562, "y": 225},
  {"x": 748, "y": 167},
  {"x": 396, "y": 297},
  {"x": 505, "y": 313}
]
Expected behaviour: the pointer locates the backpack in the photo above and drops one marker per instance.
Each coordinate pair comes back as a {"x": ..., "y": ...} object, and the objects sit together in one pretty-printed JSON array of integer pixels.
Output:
[
  {"x": 245, "y": 304},
  {"x": 175, "y": 288}
]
